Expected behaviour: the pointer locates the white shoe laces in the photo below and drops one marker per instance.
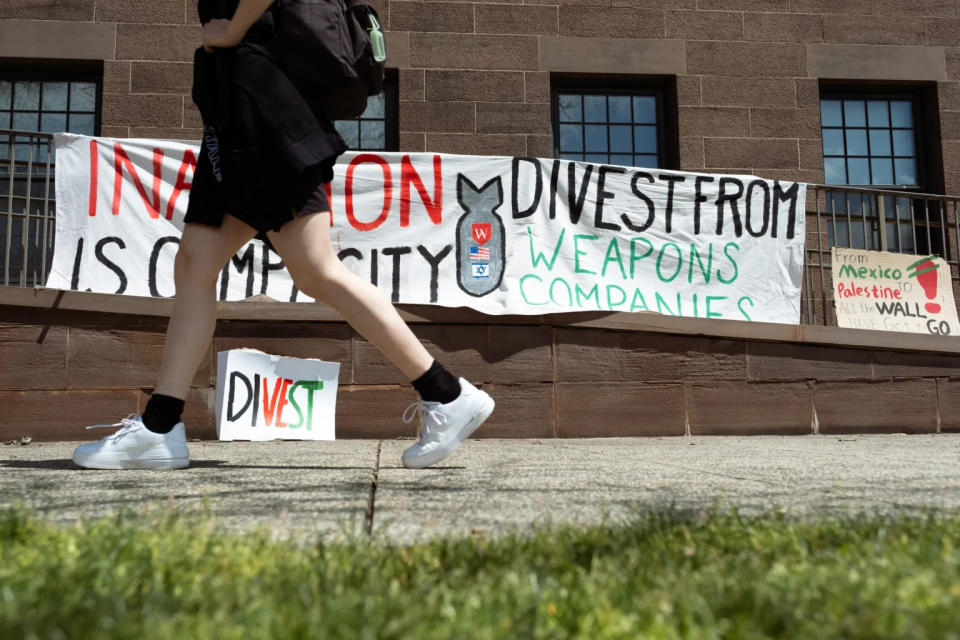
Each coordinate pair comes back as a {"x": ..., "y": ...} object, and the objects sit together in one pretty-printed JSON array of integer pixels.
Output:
[
  {"x": 423, "y": 411},
  {"x": 127, "y": 424}
]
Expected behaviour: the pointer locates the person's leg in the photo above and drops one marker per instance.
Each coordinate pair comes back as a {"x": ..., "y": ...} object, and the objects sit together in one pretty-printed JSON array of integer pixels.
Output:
[
  {"x": 305, "y": 246},
  {"x": 450, "y": 409},
  {"x": 158, "y": 439}
]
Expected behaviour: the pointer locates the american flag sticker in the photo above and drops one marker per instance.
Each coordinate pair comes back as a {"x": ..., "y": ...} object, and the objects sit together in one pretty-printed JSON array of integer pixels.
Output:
[
  {"x": 481, "y": 269},
  {"x": 479, "y": 253}
]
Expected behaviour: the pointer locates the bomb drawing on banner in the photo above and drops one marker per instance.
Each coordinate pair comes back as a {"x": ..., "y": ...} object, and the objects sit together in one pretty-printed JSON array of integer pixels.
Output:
[{"x": 481, "y": 240}]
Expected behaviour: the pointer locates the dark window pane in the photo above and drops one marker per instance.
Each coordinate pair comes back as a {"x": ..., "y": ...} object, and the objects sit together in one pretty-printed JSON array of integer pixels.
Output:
[
  {"x": 571, "y": 137},
  {"x": 856, "y": 142},
  {"x": 373, "y": 135},
  {"x": 26, "y": 121},
  {"x": 650, "y": 162},
  {"x": 53, "y": 122},
  {"x": 596, "y": 137},
  {"x": 906, "y": 171},
  {"x": 621, "y": 159},
  {"x": 350, "y": 131},
  {"x": 82, "y": 124},
  {"x": 375, "y": 107},
  {"x": 880, "y": 142},
  {"x": 854, "y": 113},
  {"x": 6, "y": 89},
  {"x": 595, "y": 108},
  {"x": 83, "y": 96},
  {"x": 859, "y": 171},
  {"x": 835, "y": 170},
  {"x": 645, "y": 109},
  {"x": 55, "y": 96},
  {"x": 903, "y": 144},
  {"x": 576, "y": 157},
  {"x": 833, "y": 142},
  {"x": 882, "y": 170},
  {"x": 901, "y": 113},
  {"x": 26, "y": 95},
  {"x": 599, "y": 158},
  {"x": 878, "y": 113},
  {"x": 619, "y": 109},
  {"x": 831, "y": 113},
  {"x": 645, "y": 139},
  {"x": 620, "y": 141},
  {"x": 571, "y": 108}
]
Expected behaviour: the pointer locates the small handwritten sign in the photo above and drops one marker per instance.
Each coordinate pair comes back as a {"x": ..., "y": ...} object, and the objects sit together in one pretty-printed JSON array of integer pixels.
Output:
[
  {"x": 893, "y": 292},
  {"x": 267, "y": 397}
]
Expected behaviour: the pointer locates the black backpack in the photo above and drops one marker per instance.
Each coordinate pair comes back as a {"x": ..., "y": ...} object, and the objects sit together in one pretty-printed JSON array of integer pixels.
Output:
[{"x": 333, "y": 52}]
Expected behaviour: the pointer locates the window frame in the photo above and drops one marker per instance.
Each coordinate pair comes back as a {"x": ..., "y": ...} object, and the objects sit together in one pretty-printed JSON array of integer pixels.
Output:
[
  {"x": 928, "y": 153},
  {"x": 662, "y": 88},
  {"x": 58, "y": 71},
  {"x": 391, "y": 115}
]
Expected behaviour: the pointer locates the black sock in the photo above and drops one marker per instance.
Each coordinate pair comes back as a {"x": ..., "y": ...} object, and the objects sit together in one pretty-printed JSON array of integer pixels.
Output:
[
  {"x": 162, "y": 413},
  {"x": 437, "y": 385}
]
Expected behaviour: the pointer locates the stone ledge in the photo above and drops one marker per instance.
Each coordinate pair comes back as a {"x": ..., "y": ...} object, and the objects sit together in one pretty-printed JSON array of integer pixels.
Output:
[{"x": 39, "y": 302}]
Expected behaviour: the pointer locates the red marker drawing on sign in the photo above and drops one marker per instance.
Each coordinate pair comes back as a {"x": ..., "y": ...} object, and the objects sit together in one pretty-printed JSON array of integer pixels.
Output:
[
  {"x": 482, "y": 232},
  {"x": 925, "y": 271}
]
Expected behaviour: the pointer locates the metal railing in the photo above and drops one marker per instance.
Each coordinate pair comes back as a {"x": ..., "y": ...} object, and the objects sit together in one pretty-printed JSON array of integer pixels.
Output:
[
  {"x": 27, "y": 207},
  {"x": 913, "y": 223}
]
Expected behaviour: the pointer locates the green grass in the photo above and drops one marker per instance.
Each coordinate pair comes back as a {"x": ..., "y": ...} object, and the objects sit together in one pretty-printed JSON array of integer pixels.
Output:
[{"x": 665, "y": 576}]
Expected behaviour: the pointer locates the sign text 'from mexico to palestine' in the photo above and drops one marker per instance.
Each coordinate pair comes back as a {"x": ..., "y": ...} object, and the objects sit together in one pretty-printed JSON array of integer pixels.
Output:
[
  {"x": 893, "y": 292},
  {"x": 501, "y": 235}
]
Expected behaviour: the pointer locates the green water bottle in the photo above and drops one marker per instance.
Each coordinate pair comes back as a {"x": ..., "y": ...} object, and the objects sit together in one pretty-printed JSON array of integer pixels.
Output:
[{"x": 377, "y": 44}]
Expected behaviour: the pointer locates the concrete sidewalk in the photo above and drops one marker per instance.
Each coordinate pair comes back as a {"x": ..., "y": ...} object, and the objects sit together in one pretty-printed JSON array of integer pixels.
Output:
[{"x": 358, "y": 487}]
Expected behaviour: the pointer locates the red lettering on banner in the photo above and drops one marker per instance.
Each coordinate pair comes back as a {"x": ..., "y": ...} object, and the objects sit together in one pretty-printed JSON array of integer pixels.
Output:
[
  {"x": 189, "y": 163},
  {"x": 387, "y": 192},
  {"x": 121, "y": 161},
  {"x": 272, "y": 406},
  {"x": 93, "y": 179},
  {"x": 281, "y": 403},
  {"x": 408, "y": 176}
]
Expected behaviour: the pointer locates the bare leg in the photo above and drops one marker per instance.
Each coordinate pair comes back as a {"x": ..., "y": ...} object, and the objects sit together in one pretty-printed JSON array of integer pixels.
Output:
[
  {"x": 203, "y": 252},
  {"x": 304, "y": 244}
]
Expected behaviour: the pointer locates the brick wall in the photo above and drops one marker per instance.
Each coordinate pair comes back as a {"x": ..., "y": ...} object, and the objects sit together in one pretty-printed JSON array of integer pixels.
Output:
[
  {"x": 475, "y": 77},
  {"x": 548, "y": 381}
]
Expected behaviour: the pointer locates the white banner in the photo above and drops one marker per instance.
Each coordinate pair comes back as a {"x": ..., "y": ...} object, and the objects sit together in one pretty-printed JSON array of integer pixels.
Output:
[{"x": 500, "y": 235}]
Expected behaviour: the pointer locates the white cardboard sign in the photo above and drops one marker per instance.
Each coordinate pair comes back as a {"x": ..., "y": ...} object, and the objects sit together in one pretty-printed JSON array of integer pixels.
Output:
[
  {"x": 268, "y": 397},
  {"x": 893, "y": 292}
]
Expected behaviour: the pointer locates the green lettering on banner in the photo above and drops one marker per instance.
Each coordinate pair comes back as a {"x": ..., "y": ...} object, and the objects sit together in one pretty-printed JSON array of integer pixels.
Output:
[
  {"x": 623, "y": 296},
  {"x": 553, "y": 299},
  {"x": 594, "y": 293},
  {"x": 536, "y": 258},
  {"x": 695, "y": 256},
  {"x": 663, "y": 252},
  {"x": 311, "y": 386},
  {"x": 736, "y": 269},
  {"x": 740, "y": 305},
  {"x": 662, "y": 304},
  {"x": 634, "y": 258},
  {"x": 523, "y": 291},
  {"x": 577, "y": 253},
  {"x": 643, "y": 303},
  {"x": 710, "y": 299},
  {"x": 613, "y": 255}
]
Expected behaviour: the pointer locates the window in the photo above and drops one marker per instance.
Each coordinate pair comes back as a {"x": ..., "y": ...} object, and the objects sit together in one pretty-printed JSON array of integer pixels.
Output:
[
  {"x": 37, "y": 99},
  {"x": 376, "y": 128},
  {"x": 873, "y": 140},
  {"x": 609, "y": 125}
]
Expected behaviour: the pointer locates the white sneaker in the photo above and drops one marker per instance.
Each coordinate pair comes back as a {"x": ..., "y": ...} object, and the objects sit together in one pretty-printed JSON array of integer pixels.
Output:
[
  {"x": 444, "y": 426},
  {"x": 135, "y": 447}
]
